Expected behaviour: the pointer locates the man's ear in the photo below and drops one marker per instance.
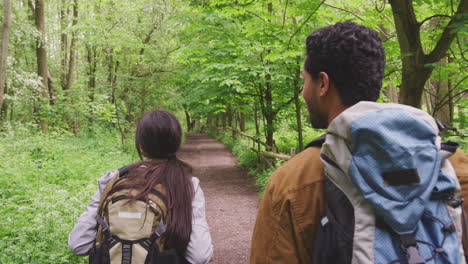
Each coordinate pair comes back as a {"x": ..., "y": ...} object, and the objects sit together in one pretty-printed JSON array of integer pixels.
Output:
[{"x": 324, "y": 83}]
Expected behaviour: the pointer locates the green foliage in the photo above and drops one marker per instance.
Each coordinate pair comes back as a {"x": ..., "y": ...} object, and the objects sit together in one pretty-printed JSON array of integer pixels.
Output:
[
  {"x": 261, "y": 178},
  {"x": 227, "y": 140},
  {"x": 245, "y": 156},
  {"x": 45, "y": 184}
]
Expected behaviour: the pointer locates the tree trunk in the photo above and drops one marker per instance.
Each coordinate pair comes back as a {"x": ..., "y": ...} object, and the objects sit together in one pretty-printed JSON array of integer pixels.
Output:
[
  {"x": 229, "y": 114},
  {"x": 187, "y": 118},
  {"x": 112, "y": 74},
  {"x": 257, "y": 134},
  {"x": 223, "y": 119},
  {"x": 391, "y": 92},
  {"x": 4, "y": 108},
  {"x": 269, "y": 115},
  {"x": 92, "y": 63},
  {"x": 415, "y": 72},
  {"x": 41, "y": 52},
  {"x": 52, "y": 91},
  {"x": 297, "y": 103},
  {"x": 442, "y": 97},
  {"x": 72, "y": 60},
  {"x": 242, "y": 122},
  {"x": 63, "y": 43},
  {"x": 257, "y": 125},
  {"x": 4, "y": 48},
  {"x": 461, "y": 116}
]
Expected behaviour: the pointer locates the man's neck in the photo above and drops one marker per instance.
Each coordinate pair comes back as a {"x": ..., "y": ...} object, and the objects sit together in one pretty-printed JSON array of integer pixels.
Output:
[{"x": 336, "y": 112}]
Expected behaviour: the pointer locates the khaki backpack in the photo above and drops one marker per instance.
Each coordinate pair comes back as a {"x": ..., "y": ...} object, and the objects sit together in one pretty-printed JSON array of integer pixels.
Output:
[{"x": 130, "y": 231}]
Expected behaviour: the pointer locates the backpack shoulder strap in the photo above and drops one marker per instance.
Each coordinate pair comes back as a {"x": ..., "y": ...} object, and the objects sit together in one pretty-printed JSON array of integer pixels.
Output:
[
  {"x": 102, "y": 204},
  {"x": 108, "y": 188},
  {"x": 318, "y": 142},
  {"x": 157, "y": 201}
]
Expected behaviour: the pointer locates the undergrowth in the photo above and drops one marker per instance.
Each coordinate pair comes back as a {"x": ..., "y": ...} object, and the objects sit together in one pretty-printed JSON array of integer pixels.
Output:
[
  {"x": 46, "y": 181},
  {"x": 241, "y": 148}
]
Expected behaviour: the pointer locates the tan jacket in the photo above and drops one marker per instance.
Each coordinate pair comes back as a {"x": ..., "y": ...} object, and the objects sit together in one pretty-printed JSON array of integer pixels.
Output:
[{"x": 292, "y": 205}]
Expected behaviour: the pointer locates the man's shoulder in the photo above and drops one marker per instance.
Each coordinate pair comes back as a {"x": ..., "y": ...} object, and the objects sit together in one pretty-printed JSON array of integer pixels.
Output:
[
  {"x": 304, "y": 169},
  {"x": 459, "y": 161}
]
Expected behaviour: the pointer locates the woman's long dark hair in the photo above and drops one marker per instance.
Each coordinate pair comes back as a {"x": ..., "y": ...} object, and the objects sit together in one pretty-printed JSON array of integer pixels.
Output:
[{"x": 158, "y": 136}]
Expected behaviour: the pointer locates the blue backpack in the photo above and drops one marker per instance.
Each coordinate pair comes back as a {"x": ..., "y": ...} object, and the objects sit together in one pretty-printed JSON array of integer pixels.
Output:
[{"x": 391, "y": 195}]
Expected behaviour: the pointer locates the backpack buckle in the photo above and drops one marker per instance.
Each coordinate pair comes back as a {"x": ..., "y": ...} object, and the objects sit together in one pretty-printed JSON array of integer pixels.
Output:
[
  {"x": 413, "y": 256},
  {"x": 410, "y": 247}
]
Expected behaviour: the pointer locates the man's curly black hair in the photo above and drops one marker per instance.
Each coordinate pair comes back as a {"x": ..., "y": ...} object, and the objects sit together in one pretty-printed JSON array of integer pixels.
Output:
[{"x": 353, "y": 57}]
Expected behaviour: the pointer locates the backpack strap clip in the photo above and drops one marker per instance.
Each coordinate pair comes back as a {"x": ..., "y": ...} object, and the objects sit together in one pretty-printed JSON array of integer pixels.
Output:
[
  {"x": 455, "y": 203},
  {"x": 105, "y": 228},
  {"x": 410, "y": 246}
]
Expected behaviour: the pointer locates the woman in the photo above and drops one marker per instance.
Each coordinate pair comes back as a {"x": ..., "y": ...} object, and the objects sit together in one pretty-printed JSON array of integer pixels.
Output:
[{"x": 158, "y": 136}]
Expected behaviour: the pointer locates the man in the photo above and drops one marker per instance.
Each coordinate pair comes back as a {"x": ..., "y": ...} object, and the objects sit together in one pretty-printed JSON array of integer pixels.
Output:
[{"x": 344, "y": 65}]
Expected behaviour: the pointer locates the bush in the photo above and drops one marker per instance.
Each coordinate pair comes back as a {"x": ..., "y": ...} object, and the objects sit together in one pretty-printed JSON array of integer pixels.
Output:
[
  {"x": 246, "y": 156},
  {"x": 261, "y": 178}
]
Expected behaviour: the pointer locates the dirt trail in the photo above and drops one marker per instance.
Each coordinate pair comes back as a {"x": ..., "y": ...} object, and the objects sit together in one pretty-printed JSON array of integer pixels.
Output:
[{"x": 230, "y": 194}]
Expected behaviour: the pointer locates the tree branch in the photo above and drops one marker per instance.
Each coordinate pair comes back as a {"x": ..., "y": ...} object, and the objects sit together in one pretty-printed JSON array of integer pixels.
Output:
[
  {"x": 441, "y": 104},
  {"x": 249, "y": 94},
  {"x": 303, "y": 23},
  {"x": 284, "y": 13},
  {"x": 345, "y": 10},
  {"x": 282, "y": 106},
  {"x": 360, "y": 18},
  {"x": 252, "y": 13},
  {"x": 460, "y": 47},
  {"x": 431, "y": 17},
  {"x": 447, "y": 36}
]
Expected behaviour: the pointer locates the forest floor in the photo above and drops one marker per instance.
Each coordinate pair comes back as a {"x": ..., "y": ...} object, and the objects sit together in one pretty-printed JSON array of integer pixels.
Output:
[{"x": 230, "y": 193}]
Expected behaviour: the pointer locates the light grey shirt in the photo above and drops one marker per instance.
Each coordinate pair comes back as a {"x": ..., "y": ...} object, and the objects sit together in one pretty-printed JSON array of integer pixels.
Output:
[{"x": 199, "y": 249}]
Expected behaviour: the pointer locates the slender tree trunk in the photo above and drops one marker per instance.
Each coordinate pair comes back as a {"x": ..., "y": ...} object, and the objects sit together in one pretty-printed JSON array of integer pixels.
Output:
[
  {"x": 242, "y": 122},
  {"x": 461, "y": 116},
  {"x": 112, "y": 74},
  {"x": 52, "y": 90},
  {"x": 41, "y": 52},
  {"x": 229, "y": 115},
  {"x": 72, "y": 60},
  {"x": 4, "y": 108},
  {"x": 269, "y": 114},
  {"x": 450, "y": 93},
  {"x": 4, "y": 48},
  {"x": 442, "y": 97},
  {"x": 223, "y": 119},
  {"x": 257, "y": 134},
  {"x": 263, "y": 108},
  {"x": 257, "y": 125},
  {"x": 63, "y": 43},
  {"x": 92, "y": 63},
  {"x": 391, "y": 92},
  {"x": 428, "y": 98},
  {"x": 187, "y": 118},
  {"x": 235, "y": 123},
  {"x": 297, "y": 103}
]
